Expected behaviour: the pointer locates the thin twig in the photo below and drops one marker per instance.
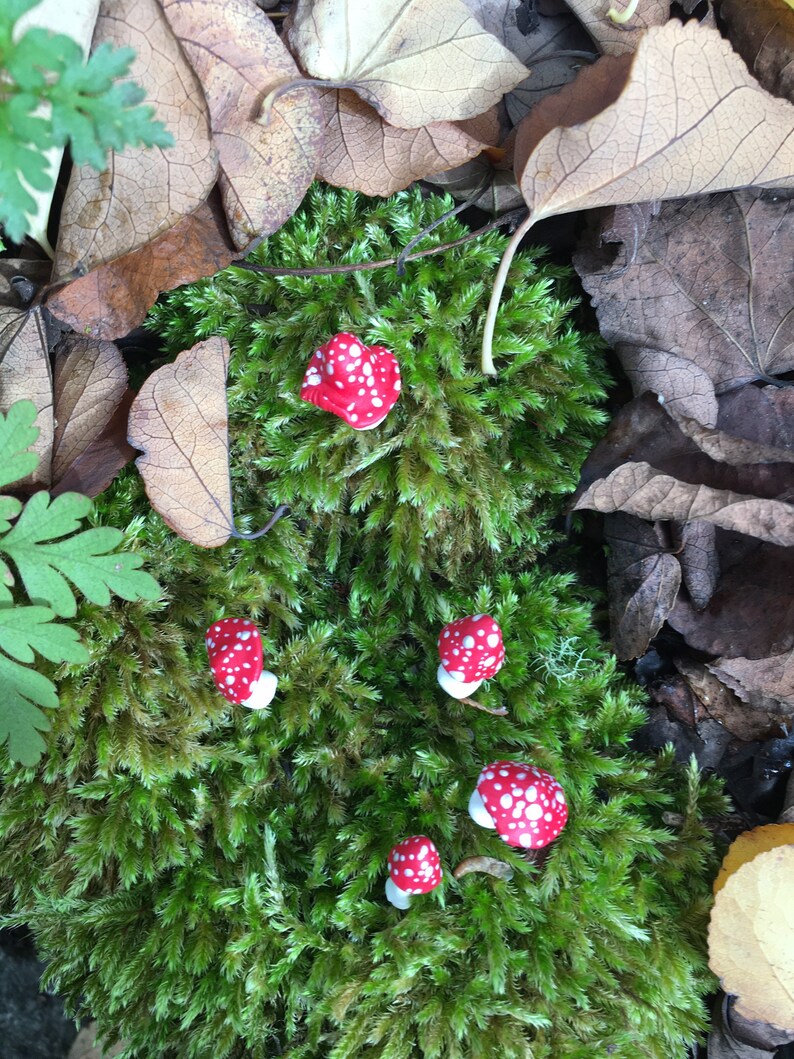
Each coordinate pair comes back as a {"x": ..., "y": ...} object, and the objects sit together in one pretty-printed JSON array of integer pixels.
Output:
[
  {"x": 588, "y": 56},
  {"x": 280, "y": 512},
  {"x": 470, "y": 201},
  {"x": 497, "y": 711},
  {"x": 331, "y": 270}
]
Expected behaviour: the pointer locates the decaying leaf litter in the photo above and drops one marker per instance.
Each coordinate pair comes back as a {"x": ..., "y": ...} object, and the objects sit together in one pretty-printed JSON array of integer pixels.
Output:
[{"x": 680, "y": 148}]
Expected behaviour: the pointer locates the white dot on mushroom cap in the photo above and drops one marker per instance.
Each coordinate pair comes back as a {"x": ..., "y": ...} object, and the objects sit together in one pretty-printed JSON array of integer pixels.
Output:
[
  {"x": 525, "y": 839},
  {"x": 497, "y": 786},
  {"x": 488, "y": 662},
  {"x": 506, "y": 801},
  {"x": 493, "y": 639},
  {"x": 377, "y": 402},
  {"x": 230, "y": 680},
  {"x": 547, "y": 816},
  {"x": 354, "y": 418},
  {"x": 532, "y": 793},
  {"x": 330, "y": 368},
  {"x": 503, "y": 772},
  {"x": 423, "y": 852},
  {"x": 409, "y": 873},
  {"x": 560, "y": 797},
  {"x": 534, "y": 811},
  {"x": 518, "y": 811},
  {"x": 468, "y": 641},
  {"x": 342, "y": 345},
  {"x": 361, "y": 392},
  {"x": 489, "y": 775}
]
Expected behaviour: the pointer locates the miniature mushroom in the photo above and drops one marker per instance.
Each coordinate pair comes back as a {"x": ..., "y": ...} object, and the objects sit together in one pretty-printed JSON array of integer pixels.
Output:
[
  {"x": 525, "y": 804},
  {"x": 358, "y": 383},
  {"x": 471, "y": 651},
  {"x": 234, "y": 647},
  {"x": 414, "y": 868}
]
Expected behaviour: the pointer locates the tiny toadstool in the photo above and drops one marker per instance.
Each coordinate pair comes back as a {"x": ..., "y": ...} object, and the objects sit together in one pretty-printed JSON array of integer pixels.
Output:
[
  {"x": 414, "y": 868},
  {"x": 471, "y": 651},
  {"x": 358, "y": 383},
  {"x": 234, "y": 647},
  {"x": 525, "y": 804}
]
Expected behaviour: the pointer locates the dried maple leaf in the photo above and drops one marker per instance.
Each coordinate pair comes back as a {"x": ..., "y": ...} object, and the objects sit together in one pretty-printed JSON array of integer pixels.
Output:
[
  {"x": 724, "y": 705},
  {"x": 762, "y": 31},
  {"x": 145, "y": 190},
  {"x": 751, "y": 937},
  {"x": 615, "y": 38},
  {"x": 704, "y": 297},
  {"x": 238, "y": 58},
  {"x": 700, "y": 566},
  {"x": 640, "y": 489},
  {"x": 114, "y": 298},
  {"x": 364, "y": 153},
  {"x": 415, "y": 61},
  {"x": 644, "y": 579},
  {"x": 180, "y": 421}
]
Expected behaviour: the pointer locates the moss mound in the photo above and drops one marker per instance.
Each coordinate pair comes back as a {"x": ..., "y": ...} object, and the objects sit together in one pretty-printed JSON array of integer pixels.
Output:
[{"x": 208, "y": 881}]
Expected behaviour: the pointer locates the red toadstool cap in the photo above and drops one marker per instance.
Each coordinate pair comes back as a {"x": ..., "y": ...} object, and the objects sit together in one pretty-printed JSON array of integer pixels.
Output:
[
  {"x": 526, "y": 804},
  {"x": 415, "y": 866},
  {"x": 471, "y": 648},
  {"x": 234, "y": 647},
  {"x": 358, "y": 383}
]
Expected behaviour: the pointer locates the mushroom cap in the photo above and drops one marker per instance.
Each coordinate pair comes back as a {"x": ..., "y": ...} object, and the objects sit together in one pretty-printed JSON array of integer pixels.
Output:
[
  {"x": 415, "y": 866},
  {"x": 234, "y": 647},
  {"x": 471, "y": 648},
  {"x": 527, "y": 805},
  {"x": 358, "y": 383}
]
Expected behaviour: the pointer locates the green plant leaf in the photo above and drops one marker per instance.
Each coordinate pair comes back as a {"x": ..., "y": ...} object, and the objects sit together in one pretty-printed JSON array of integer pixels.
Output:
[
  {"x": 24, "y": 630},
  {"x": 24, "y": 690},
  {"x": 17, "y": 434},
  {"x": 87, "y": 559}
]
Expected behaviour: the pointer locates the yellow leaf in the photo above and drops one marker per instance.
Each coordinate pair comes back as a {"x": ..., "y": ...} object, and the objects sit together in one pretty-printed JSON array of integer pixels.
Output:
[{"x": 749, "y": 844}]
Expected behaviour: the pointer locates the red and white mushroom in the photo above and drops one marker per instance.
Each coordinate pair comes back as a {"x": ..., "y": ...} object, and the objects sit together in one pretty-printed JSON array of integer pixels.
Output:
[
  {"x": 471, "y": 651},
  {"x": 234, "y": 647},
  {"x": 358, "y": 383},
  {"x": 414, "y": 868},
  {"x": 525, "y": 804}
]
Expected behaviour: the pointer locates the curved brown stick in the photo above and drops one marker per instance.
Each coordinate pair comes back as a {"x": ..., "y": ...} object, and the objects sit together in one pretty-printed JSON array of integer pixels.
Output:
[{"x": 496, "y": 711}]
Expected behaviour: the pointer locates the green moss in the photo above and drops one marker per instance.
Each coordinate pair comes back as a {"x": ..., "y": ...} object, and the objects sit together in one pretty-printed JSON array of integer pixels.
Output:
[{"x": 208, "y": 881}]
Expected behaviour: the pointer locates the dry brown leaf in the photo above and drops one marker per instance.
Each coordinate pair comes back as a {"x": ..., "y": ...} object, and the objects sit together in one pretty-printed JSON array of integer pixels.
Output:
[
  {"x": 90, "y": 379},
  {"x": 489, "y": 865},
  {"x": 103, "y": 458},
  {"x": 700, "y": 567},
  {"x": 639, "y": 489},
  {"x": 726, "y": 1041},
  {"x": 614, "y": 38},
  {"x": 25, "y": 373},
  {"x": 705, "y": 295},
  {"x": 145, "y": 190},
  {"x": 751, "y": 613},
  {"x": 643, "y": 583},
  {"x": 763, "y": 683},
  {"x": 415, "y": 61},
  {"x": 748, "y": 845},
  {"x": 462, "y": 182},
  {"x": 708, "y": 133},
  {"x": 365, "y": 154},
  {"x": 762, "y": 31},
  {"x": 180, "y": 421},
  {"x": 238, "y": 58},
  {"x": 114, "y": 299},
  {"x": 725, "y": 706},
  {"x": 751, "y": 937}
]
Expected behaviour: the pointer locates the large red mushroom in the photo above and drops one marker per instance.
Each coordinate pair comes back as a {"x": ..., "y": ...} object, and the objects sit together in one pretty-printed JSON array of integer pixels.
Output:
[
  {"x": 525, "y": 804},
  {"x": 471, "y": 651},
  {"x": 358, "y": 383},
  {"x": 234, "y": 647}
]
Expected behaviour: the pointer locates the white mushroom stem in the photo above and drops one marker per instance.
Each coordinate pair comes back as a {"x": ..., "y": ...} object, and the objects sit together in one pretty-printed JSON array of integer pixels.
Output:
[
  {"x": 262, "y": 691},
  {"x": 478, "y": 812},
  {"x": 399, "y": 898},
  {"x": 458, "y": 689}
]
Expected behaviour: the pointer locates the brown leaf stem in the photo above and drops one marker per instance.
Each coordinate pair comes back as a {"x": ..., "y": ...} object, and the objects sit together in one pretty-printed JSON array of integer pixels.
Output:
[
  {"x": 266, "y": 111},
  {"x": 497, "y": 868},
  {"x": 496, "y": 294},
  {"x": 330, "y": 270},
  {"x": 496, "y": 711},
  {"x": 279, "y": 513}
]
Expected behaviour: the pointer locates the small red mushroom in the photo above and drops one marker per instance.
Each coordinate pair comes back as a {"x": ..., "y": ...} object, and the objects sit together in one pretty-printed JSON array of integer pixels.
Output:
[
  {"x": 471, "y": 651},
  {"x": 234, "y": 647},
  {"x": 414, "y": 868},
  {"x": 525, "y": 804},
  {"x": 358, "y": 383}
]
